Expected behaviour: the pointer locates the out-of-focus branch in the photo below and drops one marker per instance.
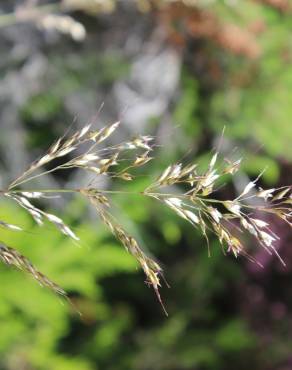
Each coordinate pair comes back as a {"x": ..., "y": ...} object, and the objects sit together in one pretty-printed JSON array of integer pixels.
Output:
[
  {"x": 28, "y": 13},
  {"x": 52, "y": 17}
]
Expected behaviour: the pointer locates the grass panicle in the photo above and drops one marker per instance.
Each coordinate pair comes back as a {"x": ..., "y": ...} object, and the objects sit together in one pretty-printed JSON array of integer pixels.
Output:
[{"x": 227, "y": 219}]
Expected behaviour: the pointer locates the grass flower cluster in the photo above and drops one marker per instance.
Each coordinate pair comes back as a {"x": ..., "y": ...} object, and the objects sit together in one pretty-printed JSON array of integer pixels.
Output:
[{"x": 227, "y": 219}]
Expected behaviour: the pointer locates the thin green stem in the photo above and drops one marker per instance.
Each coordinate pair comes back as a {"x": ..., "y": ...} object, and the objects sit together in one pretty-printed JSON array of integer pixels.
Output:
[
  {"x": 14, "y": 184},
  {"x": 43, "y": 191}
]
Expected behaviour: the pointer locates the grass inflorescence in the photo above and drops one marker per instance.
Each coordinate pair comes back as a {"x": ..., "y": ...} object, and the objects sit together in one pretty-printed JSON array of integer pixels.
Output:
[{"x": 196, "y": 204}]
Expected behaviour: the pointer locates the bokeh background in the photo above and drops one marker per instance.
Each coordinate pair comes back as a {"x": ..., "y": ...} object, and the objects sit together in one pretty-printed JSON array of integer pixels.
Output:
[{"x": 179, "y": 70}]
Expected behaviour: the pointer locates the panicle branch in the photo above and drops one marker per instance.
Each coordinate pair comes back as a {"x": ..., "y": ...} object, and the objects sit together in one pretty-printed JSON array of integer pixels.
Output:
[
  {"x": 11, "y": 256},
  {"x": 221, "y": 216}
]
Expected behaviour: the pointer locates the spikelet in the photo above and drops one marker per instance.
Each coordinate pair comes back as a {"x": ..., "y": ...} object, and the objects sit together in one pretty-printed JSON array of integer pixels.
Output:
[
  {"x": 11, "y": 256},
  {"x": 196, "y": 207},
  {"x": 38, "y": 215},
  {"x": 151, "y": 268}
]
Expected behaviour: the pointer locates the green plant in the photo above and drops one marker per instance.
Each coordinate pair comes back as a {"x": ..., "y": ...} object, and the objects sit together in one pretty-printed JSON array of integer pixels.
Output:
[{"x": 80, "y": 150}]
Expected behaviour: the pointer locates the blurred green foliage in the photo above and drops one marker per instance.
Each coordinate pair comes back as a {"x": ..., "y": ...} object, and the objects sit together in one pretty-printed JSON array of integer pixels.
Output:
[
  {"x": 34, "y": 322},
  {"x": 255, "y": 101}
]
